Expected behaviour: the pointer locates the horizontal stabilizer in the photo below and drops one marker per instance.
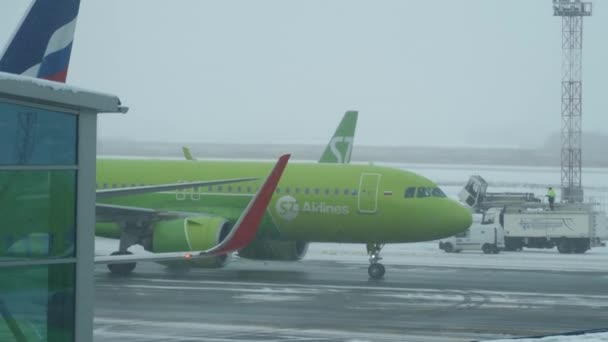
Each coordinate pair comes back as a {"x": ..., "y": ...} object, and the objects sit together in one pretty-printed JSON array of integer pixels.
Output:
[{"x": 187, "y": 153}]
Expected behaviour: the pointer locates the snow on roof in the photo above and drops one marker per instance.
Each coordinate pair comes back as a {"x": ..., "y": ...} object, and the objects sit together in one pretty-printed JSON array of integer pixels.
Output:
[{"x": 48, "y": 92}]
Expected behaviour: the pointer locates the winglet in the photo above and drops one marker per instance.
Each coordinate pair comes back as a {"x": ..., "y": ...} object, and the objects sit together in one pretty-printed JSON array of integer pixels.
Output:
[
  {"x": 187, "y": 153},
  {"x": 247, "y": 225},
  {"x": 340, "y": 146}
]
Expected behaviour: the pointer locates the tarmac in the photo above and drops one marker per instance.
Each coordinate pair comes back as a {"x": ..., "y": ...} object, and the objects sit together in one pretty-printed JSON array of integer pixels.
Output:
[{"x": 334, "y": 300}]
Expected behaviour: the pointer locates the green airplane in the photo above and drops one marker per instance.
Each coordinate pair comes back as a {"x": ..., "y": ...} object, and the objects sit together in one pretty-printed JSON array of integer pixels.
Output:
[{"x": 313, "y": 202}]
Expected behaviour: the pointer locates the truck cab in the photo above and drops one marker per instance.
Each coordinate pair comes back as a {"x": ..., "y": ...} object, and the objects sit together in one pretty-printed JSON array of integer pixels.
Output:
[{"x": 485, "y": 234}]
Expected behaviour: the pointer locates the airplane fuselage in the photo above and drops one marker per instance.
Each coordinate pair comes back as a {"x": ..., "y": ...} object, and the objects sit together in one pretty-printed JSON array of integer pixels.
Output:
[{"x": 313, "y": 202}]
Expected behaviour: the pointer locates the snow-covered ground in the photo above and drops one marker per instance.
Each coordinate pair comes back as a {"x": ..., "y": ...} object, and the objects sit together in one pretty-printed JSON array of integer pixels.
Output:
[
  {"x": 429, "y": 254},
  {"x": 597, "y": 337}
]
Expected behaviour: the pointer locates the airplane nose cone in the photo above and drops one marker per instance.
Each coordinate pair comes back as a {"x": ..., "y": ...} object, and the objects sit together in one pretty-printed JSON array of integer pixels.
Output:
[{"x": 458, "y": 220}]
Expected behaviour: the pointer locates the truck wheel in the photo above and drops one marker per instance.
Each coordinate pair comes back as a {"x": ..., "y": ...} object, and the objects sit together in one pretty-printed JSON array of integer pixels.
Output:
[
  {"x": 564, "y": 247},
  {"x": 513, "y": 246},
  {"x": 495, "y": 249},
  {"x": 448, "y": 248},
  {"x": 581, "y": 247},
  {"x": 486, "y": 248}
]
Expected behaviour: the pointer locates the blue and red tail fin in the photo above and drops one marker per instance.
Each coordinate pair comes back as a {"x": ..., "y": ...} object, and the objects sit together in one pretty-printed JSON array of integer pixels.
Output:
[{"x": 42, "y": 44}]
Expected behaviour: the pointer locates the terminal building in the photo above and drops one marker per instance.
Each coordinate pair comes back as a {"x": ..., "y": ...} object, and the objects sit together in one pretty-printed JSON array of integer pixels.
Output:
[{"x": 48, "y": 137}]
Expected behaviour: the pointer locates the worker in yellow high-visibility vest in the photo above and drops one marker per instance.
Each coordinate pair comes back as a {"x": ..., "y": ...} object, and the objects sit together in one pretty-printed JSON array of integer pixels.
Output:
[{"x": 551, "y": 196}]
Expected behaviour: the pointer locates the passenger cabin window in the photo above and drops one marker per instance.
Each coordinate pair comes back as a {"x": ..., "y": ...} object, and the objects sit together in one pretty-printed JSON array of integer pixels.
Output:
[
  {"x": 306, "y": 191},
  {"x": 410, "y": 192},
  {"x": 297, "y": 191},
  {"x": 249, "y": 189}
]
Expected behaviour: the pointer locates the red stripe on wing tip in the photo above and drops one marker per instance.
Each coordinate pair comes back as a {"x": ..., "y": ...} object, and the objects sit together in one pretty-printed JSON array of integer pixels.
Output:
[{"x": 249, "y": 225}]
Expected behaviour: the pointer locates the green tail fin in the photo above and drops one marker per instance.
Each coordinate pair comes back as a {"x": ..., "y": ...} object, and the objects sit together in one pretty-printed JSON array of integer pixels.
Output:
[
  {"x": 340, "y": 146},
  {"x": 187, "y": 154}
]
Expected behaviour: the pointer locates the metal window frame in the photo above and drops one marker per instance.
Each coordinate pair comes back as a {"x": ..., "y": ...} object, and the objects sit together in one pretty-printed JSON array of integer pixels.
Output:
[{"x": 86, "y": 145}]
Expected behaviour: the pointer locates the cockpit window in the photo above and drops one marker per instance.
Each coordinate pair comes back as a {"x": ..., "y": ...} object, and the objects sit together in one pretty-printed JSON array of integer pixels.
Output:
[
  {"x": 423, "y": 192},
  {"x": 436, "y": 192},
  {"x": 410, "y": 192}
]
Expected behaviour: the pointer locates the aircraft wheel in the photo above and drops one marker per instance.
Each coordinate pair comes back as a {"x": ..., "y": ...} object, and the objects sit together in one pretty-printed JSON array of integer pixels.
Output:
[
  {"x": 121, "y": 269},
  {"x": 376, "y": 271}
]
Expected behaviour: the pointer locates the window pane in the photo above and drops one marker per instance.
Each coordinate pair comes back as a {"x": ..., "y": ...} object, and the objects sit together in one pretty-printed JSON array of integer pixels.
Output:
[
  {"x": 38, "y": 213},
  {"x": 422, "y": 192},
  {"x": 410, "y": 192},
  {"x": 437, "y": 192},
  {"x": 38, "y": 302},
  {"x": 34, "y": 136}
]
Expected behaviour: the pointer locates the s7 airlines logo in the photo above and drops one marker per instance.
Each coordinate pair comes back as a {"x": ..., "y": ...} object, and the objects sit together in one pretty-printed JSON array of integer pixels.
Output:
[
  {"x": 288, "y": 208},
  {"x": 333, "y": 146}
]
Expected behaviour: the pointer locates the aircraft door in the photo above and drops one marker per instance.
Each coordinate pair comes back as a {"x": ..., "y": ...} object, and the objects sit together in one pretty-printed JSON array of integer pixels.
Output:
[{"x": 368, "y": 193}]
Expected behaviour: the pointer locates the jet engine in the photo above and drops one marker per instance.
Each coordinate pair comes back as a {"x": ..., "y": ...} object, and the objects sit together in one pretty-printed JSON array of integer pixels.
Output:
[
  {"x": 190, "y": 234},
  {"x": 275, "y": 250}
]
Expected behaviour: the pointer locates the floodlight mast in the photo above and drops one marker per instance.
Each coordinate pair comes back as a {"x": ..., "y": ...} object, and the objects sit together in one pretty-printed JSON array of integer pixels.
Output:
[{"x": 572, "y": 13}]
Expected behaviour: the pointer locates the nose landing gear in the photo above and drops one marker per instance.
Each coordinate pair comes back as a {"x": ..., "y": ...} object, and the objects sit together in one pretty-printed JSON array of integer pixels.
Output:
[{"x": 376, "y": 270}]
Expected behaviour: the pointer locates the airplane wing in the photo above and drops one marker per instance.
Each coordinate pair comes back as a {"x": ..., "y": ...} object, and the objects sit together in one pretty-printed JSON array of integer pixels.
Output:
[
  {"x": 138, "y": 190},
  {"x": 240, "y": 236}
]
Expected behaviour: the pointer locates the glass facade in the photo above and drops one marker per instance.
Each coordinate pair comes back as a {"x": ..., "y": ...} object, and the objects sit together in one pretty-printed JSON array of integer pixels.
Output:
[
  {"x": 37, "y": 303},
  {"x": 34, "y": 136},
  {"x": 38, "y": 182}
]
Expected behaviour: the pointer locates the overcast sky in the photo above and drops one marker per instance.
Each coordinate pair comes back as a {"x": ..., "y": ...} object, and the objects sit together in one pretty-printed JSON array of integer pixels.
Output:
[{"x": 476, "y": 72}]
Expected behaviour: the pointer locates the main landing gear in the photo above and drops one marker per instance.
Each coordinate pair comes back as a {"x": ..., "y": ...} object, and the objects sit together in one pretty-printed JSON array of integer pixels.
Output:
[
  {"x": 376, "y": 270},
  {"x": 133, "y": 233}
]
